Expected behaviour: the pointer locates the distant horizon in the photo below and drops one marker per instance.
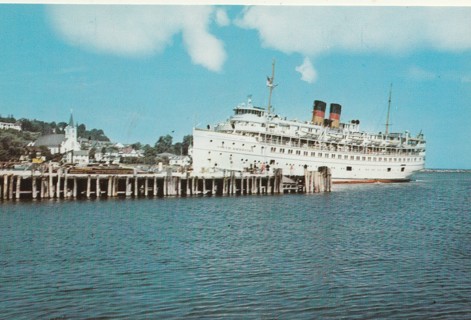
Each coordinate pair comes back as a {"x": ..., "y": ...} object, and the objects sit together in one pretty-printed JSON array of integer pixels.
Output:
[{"x": 141, "y": 72}]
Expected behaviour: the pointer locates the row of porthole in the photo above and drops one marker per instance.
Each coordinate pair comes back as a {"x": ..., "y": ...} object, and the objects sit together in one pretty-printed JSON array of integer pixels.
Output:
[{"x": 345, "y": 157}]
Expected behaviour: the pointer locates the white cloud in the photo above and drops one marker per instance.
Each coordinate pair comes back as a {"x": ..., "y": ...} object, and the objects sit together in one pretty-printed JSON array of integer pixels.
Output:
[
  {"x": 307, "y": 71},
  {"x": 140, "y": 30},
  {"x": 315, "y": 30},
  {"x": 221, "y": 18}
]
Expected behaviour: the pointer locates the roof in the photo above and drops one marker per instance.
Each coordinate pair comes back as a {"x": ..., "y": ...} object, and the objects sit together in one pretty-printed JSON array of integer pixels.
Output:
[
  {"x": 50, "y": 140},
  {"x": 81, "y": 153}
]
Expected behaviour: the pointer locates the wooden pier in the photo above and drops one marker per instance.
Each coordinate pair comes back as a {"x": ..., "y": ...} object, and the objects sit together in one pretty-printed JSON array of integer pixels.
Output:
[{"x": 68, "y": 184}]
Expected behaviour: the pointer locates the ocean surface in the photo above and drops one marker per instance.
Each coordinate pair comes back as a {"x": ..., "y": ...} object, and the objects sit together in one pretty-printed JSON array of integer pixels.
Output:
[{"x": 399, "y": 251}]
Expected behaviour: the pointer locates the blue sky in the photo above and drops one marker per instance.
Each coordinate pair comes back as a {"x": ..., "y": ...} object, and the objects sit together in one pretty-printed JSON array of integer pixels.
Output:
[{"x": 140, "y": 72}]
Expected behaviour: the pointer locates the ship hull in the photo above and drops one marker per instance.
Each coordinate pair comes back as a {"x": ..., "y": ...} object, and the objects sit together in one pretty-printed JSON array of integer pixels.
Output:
[{"x": 215, "y": 151}]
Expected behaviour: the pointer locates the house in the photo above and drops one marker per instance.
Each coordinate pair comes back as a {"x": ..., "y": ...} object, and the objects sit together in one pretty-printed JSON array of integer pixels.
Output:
[
  {"x": 80, "y": 157},
  {"x": 129, "y": 152},
  {"x": 181, "y": 161},
  {"x": 63, "y": 143},
  {"x": 8, "y": 125}
]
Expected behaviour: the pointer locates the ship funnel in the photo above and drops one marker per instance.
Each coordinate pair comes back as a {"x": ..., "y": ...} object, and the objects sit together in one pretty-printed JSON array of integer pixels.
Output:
[
  {"x": 335, "y": 110},
  {"x": 318, "y": 113}
]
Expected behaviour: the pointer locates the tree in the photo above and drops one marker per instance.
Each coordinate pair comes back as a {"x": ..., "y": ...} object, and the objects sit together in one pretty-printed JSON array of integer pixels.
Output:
[
  {"x": 81, "y": 130},
  {"x": 136, "y": 146},
  {"x": 164, "y": 144},
  {"x": 187, "y": 142},
  {"x": 13, "y": 144},
  {"x": 178, "y": 148},
  {"x": 149, "y": 154},
  {"x": 61, "y": 126}
]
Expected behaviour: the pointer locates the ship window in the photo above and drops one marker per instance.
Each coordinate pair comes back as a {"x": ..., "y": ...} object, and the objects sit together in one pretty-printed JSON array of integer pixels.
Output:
[
  {"x": 358, "y": 157},
  {"x": 363, "y": 158},
  {"x": 369, "y": 158},
  {"x": 389, "y": 169},
  {"x": 352, "y": 158},
  {"x": 326, "y": 155},
  {"x": 313, "y": 154},
  {"x": 345, "y": 157},
  {"x": 306, "y": 153},
  {"x": 298, "y": 152},
  {"x": 349, "y": 168},
  {"x": 333, "y": 156},
  {"x": 320, "y": 154},
  {"x": 402, "y": 169},
  {"x": 210, "y": 140}
]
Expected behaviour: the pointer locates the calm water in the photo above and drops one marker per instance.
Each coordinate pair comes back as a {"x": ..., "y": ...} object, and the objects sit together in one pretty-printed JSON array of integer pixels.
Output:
[{"x": 364, "y": 251}]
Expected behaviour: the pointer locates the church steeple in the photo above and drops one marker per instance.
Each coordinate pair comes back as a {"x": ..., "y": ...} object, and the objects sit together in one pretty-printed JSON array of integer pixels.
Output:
[{"x": 71, "y": 120}]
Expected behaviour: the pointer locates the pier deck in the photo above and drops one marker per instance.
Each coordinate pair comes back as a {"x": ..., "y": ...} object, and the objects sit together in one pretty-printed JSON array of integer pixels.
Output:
[{"x": 70, "y": 184}]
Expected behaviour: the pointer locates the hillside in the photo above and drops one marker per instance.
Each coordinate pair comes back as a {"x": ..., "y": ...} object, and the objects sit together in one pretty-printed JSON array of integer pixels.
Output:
[{"x": 13, "y": 143}]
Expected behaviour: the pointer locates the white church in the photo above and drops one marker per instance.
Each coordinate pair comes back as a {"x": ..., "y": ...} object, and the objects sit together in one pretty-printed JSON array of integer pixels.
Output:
[{"x": 65, "y": 143}]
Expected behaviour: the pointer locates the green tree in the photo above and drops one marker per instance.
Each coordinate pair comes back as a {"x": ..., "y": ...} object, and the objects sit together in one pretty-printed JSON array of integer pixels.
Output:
[
  {"x": 186, "y": 143},
  {"x": 149, "y": 154},
  {"x": 136, "y": 146},
  {"x": 13, "y": 144},
  {"x": 164, "y": 144},
  {"x": 81, "y": 128}
]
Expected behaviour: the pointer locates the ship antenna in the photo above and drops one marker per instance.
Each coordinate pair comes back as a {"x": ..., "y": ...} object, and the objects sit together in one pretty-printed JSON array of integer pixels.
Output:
[
  {"x": 389, "y": 109},
  {"x": 270, "y": 84}
]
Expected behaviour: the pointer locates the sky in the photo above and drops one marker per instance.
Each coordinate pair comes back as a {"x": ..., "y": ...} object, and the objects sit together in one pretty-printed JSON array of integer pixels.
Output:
[{"x": 143, "y": 71}]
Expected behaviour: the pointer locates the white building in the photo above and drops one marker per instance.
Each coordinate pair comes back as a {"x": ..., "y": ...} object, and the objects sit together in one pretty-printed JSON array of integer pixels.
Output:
[
  {"x": 8, "y": 125},
  {"x": 80, "y": 157},
  {"x": 181, "y": 161},
  {"x": 65, "y": 143}
]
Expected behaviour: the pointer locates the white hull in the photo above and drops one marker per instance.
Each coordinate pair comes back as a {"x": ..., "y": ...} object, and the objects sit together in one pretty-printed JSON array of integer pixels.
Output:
[{"x": 213, "y": 150}]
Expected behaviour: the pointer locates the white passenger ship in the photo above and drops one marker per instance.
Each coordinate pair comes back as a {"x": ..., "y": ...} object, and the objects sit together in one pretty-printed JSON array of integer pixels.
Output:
[{"x": 256, "y": 139}]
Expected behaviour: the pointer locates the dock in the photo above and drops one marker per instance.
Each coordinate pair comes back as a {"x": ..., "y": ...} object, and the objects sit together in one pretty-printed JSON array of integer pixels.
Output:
[{"x": 70, "y": 183}]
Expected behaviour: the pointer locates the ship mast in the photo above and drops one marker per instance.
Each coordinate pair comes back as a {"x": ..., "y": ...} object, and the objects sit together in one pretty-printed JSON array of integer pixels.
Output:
[
  {"x": 270, "y": 84},
  {"x": 389, "y": 109}
]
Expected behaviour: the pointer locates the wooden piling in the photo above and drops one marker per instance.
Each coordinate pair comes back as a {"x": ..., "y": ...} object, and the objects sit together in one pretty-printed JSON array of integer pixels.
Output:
[
  {"x": 10, "y": 187},
  {"x": 98, "y": 188},
  {"x": 74, "y": 192},
  {"x": 155, "y": 186},
  {"x": 18, "y": 188},
  {"x": 33, "y": 187},
  {"x": 66, "y": 190},
  {"x": 5, "y": 186},
  {"x": 50, "y": 186},
  {"x": 56, "y": 185},
  {"x": 89, "y": 184}
]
